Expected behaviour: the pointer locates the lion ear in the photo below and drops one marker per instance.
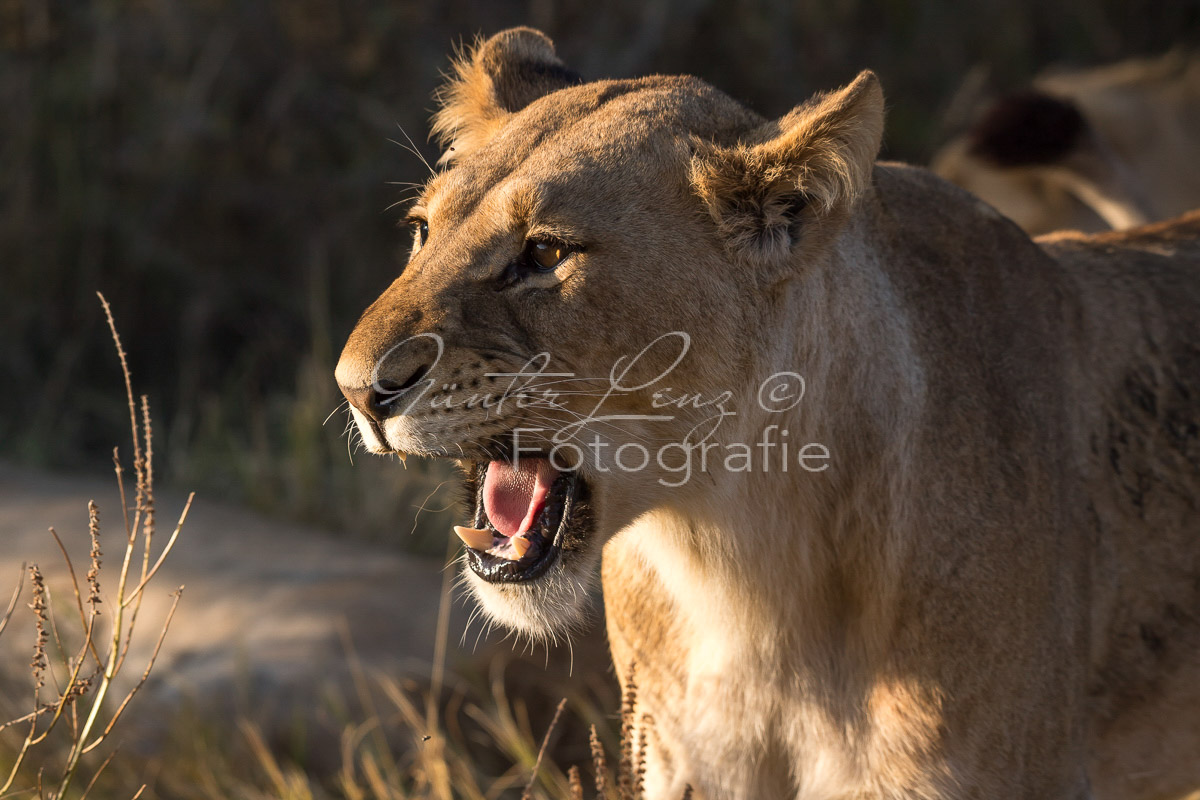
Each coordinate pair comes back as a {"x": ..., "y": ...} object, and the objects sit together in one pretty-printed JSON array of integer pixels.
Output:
[
  {"x": 811, "y": 164},
  {"x": 494, "y": 79}
]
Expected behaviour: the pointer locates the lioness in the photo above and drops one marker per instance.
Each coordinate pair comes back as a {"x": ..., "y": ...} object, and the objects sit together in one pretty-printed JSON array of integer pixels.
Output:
[
  {"x": 888, "y": 499},
  {"x": 1110, "y": 147}
]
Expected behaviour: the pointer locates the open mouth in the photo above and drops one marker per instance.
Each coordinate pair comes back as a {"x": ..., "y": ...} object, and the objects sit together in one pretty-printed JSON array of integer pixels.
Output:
[{"x": 525, "y": 512}]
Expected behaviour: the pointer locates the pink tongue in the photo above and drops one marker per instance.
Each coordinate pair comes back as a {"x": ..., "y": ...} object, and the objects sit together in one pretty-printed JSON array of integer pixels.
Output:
[{"x": 513, "y": 495}]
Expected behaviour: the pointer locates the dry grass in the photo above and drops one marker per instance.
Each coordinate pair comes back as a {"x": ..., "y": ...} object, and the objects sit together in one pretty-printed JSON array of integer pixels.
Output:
[
  {"x": 485, "y": 748},
  {"x": 459, "y": 735},
  {"x": 636, "y": 731},
  {"x": 73, "y": 720},
  {"x": 442, "y": 765}
]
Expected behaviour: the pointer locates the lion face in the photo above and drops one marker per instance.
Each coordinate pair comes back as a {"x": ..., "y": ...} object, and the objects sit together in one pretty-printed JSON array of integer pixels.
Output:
[{"x": 593, "y": 255}]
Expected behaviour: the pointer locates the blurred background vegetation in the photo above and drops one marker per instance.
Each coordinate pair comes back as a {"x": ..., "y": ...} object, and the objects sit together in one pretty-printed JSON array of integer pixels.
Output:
[{"x": 222, "y": 170}]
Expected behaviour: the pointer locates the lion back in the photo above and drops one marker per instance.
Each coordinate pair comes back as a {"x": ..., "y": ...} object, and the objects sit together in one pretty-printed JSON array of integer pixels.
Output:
[{"x": 1135, "y": 388}]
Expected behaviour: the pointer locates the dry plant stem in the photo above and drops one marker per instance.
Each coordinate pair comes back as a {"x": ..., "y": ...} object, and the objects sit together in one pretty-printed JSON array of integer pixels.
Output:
[
  {"x": 38, "y": 666},
  {"x": 35, "y": 577},
  {"x": 95, "y": 777},
  {"x": 121, "y": 486},
  {"x": 112, "y": 665},
  {"x": 83, "y": 619},
  {"x": 537, "y": 764},
  {"x": 118, "y": 617},
  {"x": 84, "y": 737},
  {"x": 12, "y": 603},
  {"x": 65, "y": 696},
  {"x": 75, "y": 687},
  {"x": 59, "y": 649},
  {"x": 20, "y": 757},
  {"x": 122, "y": 627},
  {"x": 437, "y": 676},
  {"x": 93, "y": 575},
  {"x": 575, "y": 782},
  {"x": 140, "y": 488},
  {"x": 148, "y": 527},
  {"x": 625, "y": 764},
  {"x": 137, "y": 447},
  {"x": 639, "y": 767},
  {"x": 162, "y": 634},
  {"x": 146, "y": 507},
  {"x": 137, "y": 591},
  {"x": 46, "y": 709},
  {"x": 600, "y": 763}
]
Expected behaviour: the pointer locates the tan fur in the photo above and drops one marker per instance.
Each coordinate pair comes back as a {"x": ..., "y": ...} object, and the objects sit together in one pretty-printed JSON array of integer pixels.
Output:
[
  {"x": 1143, "y": 121},
  {"x": 499, "y": 76},
  {"x": 991, "y": 592}
]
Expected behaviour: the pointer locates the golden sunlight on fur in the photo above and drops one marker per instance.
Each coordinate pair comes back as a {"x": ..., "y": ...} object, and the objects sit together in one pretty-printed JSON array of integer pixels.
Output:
[{"x": 961, "y": 561}]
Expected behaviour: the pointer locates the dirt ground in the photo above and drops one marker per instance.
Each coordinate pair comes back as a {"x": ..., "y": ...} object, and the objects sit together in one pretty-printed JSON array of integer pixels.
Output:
[{"x": 270, "y": 611}]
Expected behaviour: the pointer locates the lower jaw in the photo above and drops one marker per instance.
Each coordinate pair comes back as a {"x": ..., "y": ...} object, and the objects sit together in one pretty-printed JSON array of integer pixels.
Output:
[{"x": 563, "y": 508}]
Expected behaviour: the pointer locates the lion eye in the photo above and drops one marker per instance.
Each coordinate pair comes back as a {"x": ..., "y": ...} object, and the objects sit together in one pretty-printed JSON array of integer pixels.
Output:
[
  {"x": 546, "y": 256},
  {"x": 420, "y": 231}
]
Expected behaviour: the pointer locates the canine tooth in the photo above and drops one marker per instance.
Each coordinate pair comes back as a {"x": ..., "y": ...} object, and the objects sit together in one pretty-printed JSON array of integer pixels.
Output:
[
  {"x": 474, "y": 538},
  {"x": 403, "y": 457},
  {"x": 513, "y": 552}
]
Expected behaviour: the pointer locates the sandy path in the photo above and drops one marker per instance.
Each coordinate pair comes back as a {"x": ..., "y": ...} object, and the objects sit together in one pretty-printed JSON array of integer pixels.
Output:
[{"x": 265, "y": 604}]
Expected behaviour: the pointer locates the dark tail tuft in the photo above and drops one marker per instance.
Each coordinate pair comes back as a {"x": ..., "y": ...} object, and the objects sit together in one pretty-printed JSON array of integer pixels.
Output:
[{"x": 1027, "y": 129}]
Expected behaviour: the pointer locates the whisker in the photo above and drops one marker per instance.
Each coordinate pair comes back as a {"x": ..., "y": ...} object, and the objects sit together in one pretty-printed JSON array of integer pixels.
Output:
[
  {"x": 340, "y": 406},
  {"x": 412, "y": 148}
]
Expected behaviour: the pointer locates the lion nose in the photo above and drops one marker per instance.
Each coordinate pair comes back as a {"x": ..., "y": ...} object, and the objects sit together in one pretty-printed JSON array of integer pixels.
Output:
[{"x": 380, "y": 399}]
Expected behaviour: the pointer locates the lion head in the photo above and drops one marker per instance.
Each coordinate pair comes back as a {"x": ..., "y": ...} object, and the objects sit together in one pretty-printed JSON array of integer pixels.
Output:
[{"x": 591, "y": 256}]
